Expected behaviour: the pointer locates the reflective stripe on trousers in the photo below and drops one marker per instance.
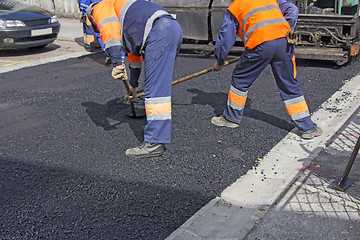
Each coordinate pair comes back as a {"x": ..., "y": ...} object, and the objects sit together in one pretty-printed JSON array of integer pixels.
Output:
[
  {"x": 88, "y": 32},
  {"x": 162, "y": 46},
  {"x": 279, "y": 55}
]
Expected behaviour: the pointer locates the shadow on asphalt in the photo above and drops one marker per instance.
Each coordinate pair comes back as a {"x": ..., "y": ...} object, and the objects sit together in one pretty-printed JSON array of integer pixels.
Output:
[
  {"x": 213, "y": 99},
  {"x": 110, "y": 117},
  {"x": 80, "y": 41},
  {"x": 38, "y": 201},
  {"x": 320, "y": 63},
  {"x": 100, "y": 58}
]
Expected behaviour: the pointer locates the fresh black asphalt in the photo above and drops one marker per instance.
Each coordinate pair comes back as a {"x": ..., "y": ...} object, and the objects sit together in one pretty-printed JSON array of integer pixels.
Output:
[{"x": 63, "y": 172}]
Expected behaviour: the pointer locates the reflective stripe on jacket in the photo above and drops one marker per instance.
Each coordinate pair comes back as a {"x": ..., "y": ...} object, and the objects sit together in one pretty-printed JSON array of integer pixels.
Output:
[
  {"x": 259, "y": 21},
  {"x": 126, "y": 24},
  {"x": 108, "y": 23}
]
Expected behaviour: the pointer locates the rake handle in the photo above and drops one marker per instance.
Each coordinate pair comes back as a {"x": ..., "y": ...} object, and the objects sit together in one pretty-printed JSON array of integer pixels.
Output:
[{"x": 194, "y": 75}]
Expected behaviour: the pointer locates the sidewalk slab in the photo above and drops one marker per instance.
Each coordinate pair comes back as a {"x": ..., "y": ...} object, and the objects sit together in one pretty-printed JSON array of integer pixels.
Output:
[
  {"x": 69, "y": 44},
  {"x": 70, "y": 30},
  {"x": 311, "y": 208},
  {"x": 310, "y": 213},
  {"x": 261, "y": 188}
]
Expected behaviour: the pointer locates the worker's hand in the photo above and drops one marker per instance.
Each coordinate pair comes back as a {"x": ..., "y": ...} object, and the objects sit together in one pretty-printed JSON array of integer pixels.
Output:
[
  {"x": 217, "y": 67},
  {"x": 130, "y": 96},
  {"x": 119, "y": 72},
  {"x": 292, "y": 37}
]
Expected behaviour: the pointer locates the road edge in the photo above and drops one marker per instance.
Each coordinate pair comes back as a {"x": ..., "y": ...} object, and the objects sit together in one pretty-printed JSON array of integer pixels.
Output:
[
  {"x": 245, "y": 202},
  {"x": 44, "y": 61}
]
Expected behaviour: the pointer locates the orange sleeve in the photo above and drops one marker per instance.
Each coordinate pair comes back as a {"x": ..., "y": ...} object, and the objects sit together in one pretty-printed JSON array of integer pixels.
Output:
[
  {"x": 134, "y": 59},
  {"x": 107, "y": 21}
]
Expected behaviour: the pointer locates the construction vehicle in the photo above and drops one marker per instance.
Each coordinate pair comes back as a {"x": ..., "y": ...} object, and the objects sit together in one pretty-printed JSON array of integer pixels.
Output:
[{"x": 326, "y": 29}]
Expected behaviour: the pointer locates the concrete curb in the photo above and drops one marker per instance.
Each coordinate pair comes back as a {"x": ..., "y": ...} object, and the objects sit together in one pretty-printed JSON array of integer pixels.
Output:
[
  {"x": 241, "y": 205},
  {"x": 44, "y": 61}
]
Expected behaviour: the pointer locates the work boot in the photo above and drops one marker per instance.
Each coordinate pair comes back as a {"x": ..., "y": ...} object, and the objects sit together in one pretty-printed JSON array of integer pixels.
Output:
[
  {"x": 310, "y": 135},
  {"x": 222, "y": 122},
  {"x": 146, "y": 150}
]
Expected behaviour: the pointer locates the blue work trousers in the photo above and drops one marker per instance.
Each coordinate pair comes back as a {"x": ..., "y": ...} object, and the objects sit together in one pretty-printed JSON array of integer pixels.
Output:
[
  {"x": 88, "y": 33},
  {"x": 279, "y": 54},
  {"x": 161, "y": 47}
]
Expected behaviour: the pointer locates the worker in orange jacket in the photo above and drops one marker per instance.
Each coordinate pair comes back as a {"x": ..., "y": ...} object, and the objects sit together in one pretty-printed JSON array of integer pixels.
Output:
[
  {"x": 146, "y": 31},
  {"x": 262, "y": 25},
  {"x": 89, "y": 35}
]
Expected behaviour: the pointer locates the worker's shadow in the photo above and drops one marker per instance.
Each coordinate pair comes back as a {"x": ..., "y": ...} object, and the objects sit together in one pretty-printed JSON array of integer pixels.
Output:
[
  {"x": 218, "y": 100},
  {"x": 111, "y": 118}
]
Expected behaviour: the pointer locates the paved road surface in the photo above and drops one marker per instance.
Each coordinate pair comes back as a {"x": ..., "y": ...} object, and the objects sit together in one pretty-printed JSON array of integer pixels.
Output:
[
  {"x": 63, "y": 170},
  {"x": 63, "y": 173}
]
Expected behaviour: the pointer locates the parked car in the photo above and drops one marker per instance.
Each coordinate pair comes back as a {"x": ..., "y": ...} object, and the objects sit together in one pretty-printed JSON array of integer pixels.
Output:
[{"x": 25, "y": 26}]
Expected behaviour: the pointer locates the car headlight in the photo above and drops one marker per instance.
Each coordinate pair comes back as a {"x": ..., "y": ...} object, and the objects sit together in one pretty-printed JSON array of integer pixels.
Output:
[
  {"x": 53, "y": 19},
  {"x": 11, "y": 23}
]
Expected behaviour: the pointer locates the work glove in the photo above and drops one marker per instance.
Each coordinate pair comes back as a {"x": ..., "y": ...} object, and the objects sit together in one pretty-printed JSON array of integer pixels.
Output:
[
  {"x": 292, "y": 37},
  {"x": 119, "y": 72}
]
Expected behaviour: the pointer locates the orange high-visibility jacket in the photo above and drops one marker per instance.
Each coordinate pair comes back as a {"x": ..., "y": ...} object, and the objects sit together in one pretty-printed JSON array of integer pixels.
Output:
[
  {"x": 259, "y": 21},
  {"x": 126, "y": 24}
]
